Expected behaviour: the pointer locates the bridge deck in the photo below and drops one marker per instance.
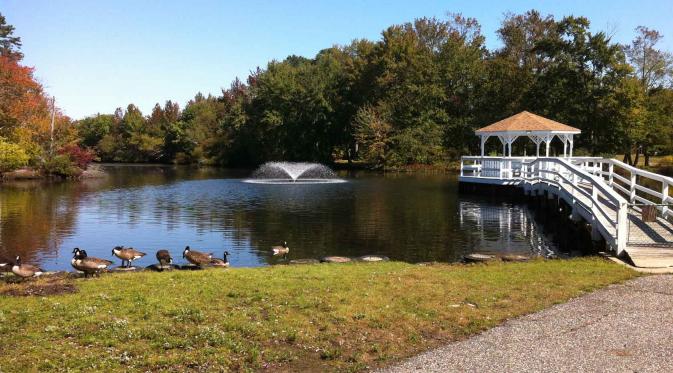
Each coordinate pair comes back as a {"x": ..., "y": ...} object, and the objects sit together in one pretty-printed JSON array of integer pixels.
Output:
[{"x": 649, "y": 244}]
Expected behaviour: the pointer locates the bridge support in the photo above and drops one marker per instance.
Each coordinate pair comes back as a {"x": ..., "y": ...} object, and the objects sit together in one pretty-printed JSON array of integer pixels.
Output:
[
  {"x": 575, "y": 214},
  {"x": 595, "y": 233}
]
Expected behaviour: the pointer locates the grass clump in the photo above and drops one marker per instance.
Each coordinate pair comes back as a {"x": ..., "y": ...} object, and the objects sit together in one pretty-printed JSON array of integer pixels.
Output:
[{"x": 311, "y": 318}]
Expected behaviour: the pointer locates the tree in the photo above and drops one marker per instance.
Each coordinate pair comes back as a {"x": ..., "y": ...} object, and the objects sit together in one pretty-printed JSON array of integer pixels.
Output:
[
  {"x": 10, "y": 45},
  {"x": 373, "y": 133},
  {"x": 653, "y": 66}
]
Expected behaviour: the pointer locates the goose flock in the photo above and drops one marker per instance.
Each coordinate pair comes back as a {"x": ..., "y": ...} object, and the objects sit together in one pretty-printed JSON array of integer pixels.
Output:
[{"x": 92, "y": 266}]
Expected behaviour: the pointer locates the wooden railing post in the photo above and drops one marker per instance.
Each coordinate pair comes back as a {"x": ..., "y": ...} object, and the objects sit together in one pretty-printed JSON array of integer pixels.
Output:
[
  {"x": 664, "y": 198},
  {"x": 611, "y": 170},
  {"x": 462, "y": 163},
  {"x": 622, "y": 228},
  {"x": 632, "y": 188}
]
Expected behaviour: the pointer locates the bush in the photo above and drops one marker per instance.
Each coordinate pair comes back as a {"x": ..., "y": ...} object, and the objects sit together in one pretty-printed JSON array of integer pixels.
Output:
[
  {"x": 12, "y": 156},
  {"x": 81, "y": 157},
  {"x": 61, "y": 165}
]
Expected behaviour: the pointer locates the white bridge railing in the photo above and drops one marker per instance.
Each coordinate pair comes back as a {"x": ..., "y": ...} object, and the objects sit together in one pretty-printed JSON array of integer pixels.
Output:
[{"x": 599, "y": 189}]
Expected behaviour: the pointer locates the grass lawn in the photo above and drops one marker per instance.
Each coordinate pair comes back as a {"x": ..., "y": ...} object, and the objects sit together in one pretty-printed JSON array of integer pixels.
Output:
[{"x": 344, "y": 317}]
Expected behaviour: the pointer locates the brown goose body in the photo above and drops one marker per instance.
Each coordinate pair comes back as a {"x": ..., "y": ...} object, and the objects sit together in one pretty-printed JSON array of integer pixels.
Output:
[
  {"x": 217, "y": 262},
  {"x": 25, "y": 270},
  {"x": 164, "y": 257},
  {"x": 127, "y": 254},
  {"x": 89, "y": 265},
  {"x": 196, "y": 257}
]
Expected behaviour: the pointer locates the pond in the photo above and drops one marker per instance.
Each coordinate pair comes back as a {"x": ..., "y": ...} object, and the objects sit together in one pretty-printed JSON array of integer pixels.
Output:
[{"x": 408, "y": 217}]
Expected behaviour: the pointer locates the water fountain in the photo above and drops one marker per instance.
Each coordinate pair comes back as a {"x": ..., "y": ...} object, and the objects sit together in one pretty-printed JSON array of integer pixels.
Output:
[{"x": 293, "y": 173}]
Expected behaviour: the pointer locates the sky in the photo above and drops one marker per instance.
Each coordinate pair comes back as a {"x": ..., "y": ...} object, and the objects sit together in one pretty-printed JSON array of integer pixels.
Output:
[{"x": 95, "y": 56}]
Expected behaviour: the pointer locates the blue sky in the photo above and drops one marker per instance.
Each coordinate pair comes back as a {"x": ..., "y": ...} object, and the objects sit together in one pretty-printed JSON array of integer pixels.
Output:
[{"x": 95, "y": 56}]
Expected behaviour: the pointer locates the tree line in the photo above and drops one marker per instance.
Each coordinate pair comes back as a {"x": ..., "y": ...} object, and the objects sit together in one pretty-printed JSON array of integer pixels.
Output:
[{"x": 415, "y": 96}]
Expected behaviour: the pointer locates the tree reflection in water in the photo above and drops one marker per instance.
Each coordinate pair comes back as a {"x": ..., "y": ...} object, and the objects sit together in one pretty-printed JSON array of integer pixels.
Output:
[{"x": 406, "y": 217}]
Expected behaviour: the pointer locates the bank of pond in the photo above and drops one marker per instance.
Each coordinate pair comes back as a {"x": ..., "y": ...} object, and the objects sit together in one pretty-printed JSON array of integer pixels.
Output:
[
  {"x": 353, "y": 316},
  {"x": 197, "y": 260}
]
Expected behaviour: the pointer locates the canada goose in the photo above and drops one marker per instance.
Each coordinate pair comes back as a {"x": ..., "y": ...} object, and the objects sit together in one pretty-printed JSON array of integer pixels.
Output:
[
  {"x": 217, "y": 262},
  {"x": 25, "y": 270},
  {"x": 280, "y": 250},
  {"x": 89, "y": 265},
  {"x": 127, "y": 254},
  {"x": 196, "y": 257},
  {"x": 164, "y": 257}
]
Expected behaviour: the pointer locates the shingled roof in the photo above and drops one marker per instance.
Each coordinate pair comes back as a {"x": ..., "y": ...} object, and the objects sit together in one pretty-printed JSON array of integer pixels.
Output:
[{"x": 526, "y": 121}]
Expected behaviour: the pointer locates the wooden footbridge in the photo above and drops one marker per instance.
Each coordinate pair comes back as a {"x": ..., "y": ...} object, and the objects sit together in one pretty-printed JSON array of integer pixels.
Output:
[{"x": 626, "y": 206}]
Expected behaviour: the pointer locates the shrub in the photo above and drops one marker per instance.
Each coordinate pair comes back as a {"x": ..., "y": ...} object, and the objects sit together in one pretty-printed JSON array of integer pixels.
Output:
[
  {"x": 81, "y": 157},
  {"x": 12, "y": 156},
  {"x": 61, "y": 165}
]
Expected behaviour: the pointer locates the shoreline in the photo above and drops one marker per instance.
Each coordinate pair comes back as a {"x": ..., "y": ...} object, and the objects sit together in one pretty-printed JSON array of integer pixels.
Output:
[{"x": 351, "y": 316}]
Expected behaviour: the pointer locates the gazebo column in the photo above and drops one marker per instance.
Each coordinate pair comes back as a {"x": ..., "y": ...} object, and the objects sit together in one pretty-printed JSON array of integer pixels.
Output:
[
  {"x": 537, "y": 140},
  {"x": 547, "y": 140},
  {"x": 570, "y": 141},
  {"x": 510, "y": 141},
  {"x": 567, "y": 144},
  {"x": 503, "y": 140},
  {"x": 483, "y": 138}
]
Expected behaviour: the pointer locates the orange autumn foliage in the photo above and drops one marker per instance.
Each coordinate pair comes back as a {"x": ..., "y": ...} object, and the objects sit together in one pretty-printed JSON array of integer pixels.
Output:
[{"x": 25, "y": 110}]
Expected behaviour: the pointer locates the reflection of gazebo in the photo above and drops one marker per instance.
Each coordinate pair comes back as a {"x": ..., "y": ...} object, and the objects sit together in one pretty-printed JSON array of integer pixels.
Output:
[{"x": 535, "y": 127}]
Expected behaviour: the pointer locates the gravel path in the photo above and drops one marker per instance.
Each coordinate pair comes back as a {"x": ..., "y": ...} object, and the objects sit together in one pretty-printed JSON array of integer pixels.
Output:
[{"x": 621, "y": 328}]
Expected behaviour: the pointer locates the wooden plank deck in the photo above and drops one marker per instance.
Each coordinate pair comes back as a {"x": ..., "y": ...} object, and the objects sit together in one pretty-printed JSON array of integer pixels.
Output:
[{"x": 650, "y": 244}]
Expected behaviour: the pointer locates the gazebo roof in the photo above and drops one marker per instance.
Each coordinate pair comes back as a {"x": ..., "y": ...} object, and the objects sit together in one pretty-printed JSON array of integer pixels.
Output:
[{"x": 526, "y": 122}]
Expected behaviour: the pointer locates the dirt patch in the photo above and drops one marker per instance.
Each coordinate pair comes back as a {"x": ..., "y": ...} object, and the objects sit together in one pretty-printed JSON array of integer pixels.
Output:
[{"x": 39, "y": 287}]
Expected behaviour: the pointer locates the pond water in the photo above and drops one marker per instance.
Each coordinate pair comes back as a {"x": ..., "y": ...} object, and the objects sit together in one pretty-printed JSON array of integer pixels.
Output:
[{"x": 411, "y": 218}]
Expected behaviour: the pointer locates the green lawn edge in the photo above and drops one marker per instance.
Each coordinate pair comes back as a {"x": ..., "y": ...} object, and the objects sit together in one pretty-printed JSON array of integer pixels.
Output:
[{"x": 327, "y": 317}]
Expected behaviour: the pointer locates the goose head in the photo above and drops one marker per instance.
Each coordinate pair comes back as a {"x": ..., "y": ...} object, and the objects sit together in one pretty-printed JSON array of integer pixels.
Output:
[
  {"x": 285, "y": 244},
  {"x": 226, "y": 254},
  {"x": 187, "y": 249},
  {"x": 18, "y": 261}
]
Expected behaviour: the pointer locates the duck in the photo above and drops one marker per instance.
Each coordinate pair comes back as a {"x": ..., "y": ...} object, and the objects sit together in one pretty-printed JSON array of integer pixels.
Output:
[
  {"x": 281, "y": 250},
  {"x": 127, "y": 254},
  {"x": 164, "y": 257},
  {"x": 196, "y": 257},
  {"x": 25, "y": 270},
  {"x": 217, "y": 262},
  {"x": 89, "y": 265}
]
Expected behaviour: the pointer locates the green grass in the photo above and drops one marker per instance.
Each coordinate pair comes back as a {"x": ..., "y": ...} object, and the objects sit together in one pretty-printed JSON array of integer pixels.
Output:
[{"x": 304, "y": 318}]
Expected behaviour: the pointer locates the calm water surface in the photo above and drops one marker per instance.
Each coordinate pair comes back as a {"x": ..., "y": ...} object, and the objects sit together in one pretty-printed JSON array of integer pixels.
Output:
[{"x": 406, "y": 217}]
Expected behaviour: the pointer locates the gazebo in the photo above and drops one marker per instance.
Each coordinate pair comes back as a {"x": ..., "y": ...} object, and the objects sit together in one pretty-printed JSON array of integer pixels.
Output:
[{"x": 535, "y": 127}]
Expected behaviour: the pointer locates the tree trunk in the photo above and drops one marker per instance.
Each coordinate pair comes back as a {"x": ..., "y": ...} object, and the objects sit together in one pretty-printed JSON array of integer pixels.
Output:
[
  {"x": 637, "y": 158},
  {"x": 646, "y": 154},
  {"x": 627, "y": 156}
]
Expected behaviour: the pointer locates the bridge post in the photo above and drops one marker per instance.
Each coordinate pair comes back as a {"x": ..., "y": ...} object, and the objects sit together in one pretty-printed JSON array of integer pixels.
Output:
[
  {"x": 632, "y": 188},
  {"x": 595, "y": 233},
  {"x": 575, "y": 214},
  {"x": 664, "y": 198}
]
